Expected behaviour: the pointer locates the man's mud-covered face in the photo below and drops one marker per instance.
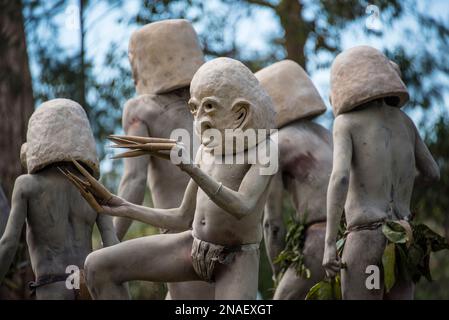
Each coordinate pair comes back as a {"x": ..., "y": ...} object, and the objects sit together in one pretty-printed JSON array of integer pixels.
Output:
[{"x": 213, "y": 115}]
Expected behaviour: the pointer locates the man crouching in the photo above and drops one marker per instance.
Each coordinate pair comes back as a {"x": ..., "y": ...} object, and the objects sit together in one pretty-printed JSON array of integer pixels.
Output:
[{"x": 223, "y": 203}]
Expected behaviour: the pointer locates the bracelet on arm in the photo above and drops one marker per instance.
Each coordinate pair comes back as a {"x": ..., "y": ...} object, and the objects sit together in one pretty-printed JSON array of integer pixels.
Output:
[{"x": 218, "y": 189}]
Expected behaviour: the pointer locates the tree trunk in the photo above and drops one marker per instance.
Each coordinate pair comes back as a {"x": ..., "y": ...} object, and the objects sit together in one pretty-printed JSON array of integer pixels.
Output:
[
  {"x": 16, "y": 106},
  {"x": 4, "y": 212},
  {"x": 16, "y": 94},
  {"x": 295, "y": 28},
  {"x": 82, "y": 53}
]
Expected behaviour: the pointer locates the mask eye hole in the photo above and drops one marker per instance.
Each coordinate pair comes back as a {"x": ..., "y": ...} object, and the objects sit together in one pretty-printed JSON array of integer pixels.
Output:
[{"x": 208, "y": 107}]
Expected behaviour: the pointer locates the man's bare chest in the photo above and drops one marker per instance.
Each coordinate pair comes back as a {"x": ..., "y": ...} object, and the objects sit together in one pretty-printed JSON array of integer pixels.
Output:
[{"x": 230, "y": 174}]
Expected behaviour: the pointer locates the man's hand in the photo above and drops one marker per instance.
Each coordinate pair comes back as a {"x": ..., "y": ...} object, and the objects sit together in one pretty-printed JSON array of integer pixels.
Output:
[
  {"x": 115, "y": 206},
  {"x": 331, "y": 262},
  {"x": 180, "y": 156}
]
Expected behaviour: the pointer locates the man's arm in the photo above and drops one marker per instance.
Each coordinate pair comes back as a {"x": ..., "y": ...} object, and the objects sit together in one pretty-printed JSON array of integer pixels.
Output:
[
  {"x": 337, "y": 192},
  {"x": 427, "y": 167},
  {"x": 274, "y": 228},
  {"x": 107, "y": 231},
  {"x": 239, "y": 203},
  {"x": 173, "y": 219},
  {"x": 10, "y": 239},
  {"x": 133, "y": 182}
]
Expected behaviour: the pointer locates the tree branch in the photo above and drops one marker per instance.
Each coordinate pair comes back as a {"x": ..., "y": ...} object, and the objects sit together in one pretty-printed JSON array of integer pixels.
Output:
[{"x": 262, "y": 3}]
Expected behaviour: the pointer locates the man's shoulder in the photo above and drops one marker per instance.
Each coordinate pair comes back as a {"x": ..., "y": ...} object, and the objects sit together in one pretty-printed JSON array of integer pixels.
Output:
[
  {"x": 406, "y": 119},
  {"x": 347, "y": 118},
  {"x": 143, "y": 103},
  {"x": 349, "y": 122},
  {"x": 142, "y": 107},
  {"x": 25, "y": 184},
  {"x": 303, "y": 130}
]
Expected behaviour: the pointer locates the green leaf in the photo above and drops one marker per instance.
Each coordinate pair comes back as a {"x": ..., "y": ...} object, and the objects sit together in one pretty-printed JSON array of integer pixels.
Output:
[
  {"x": 321, "y": 291},
  {"x": 403, "y": 266},
  {"x": 336, "y": 285},
  {"x": 313, "y": 292},
  {"x": 394, "y": 232},
  {"x": 341, "y": 244},
  {"x": 424, "y": 234},
  {"x": 292, "y": 255},
  {"x": 328, "y": 289},
  {"x": 308, "y": 274},
  {"x": 389, "y": 264},
  {"x": 425, "y": 268},
  {"x": 415, "y": 256}
]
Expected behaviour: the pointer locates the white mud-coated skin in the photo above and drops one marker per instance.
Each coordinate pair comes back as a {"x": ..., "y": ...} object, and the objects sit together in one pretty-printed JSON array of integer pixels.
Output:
[
  {"x": 226, "y": 215},
  {"x": 166, "y": 258},
  {"x": 59, "y": 225},
  {"x": 365, "y": 248},
  {"x": 157, "y": 116},
  {"x": 164, "y": 56},
  {"x": 377, "y": 152},
  {"x": 305, "y": 150}
]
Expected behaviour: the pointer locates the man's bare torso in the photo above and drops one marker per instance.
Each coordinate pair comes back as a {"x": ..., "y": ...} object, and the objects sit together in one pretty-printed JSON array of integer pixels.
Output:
[
  {"x": 306, "y": 165},
  {"x": 166, "y": 182},
  {"x": 59, "y": 223},
  {"x": 212, "y": 223},
  {"x": 159, "y": 115},
  {"x": 383, "y": 164}
]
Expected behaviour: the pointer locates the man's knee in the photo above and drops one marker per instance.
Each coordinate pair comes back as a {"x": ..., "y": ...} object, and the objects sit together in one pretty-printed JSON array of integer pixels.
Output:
[
  {"x": 96, "y": 268},
  {"x": 289, "y": 286}
]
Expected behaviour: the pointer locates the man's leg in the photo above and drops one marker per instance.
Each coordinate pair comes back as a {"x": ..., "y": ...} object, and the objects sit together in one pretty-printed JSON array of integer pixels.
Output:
[
  {"x": 290, "y": 287},
  {"x": 362, "y": 249},
  {"x": 190, "y": 290},
  {"x": 293, "y": 287},
  {"x": 55, "y": 291},
  {"x": 239, "y": 279},
  {"x": 158, "y": 258}
]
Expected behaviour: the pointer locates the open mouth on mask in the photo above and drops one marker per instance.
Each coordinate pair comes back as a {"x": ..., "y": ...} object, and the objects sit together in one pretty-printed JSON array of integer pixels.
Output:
[
  {"x": 205, "y": 125},
  {"x": 206, "y": 132}
]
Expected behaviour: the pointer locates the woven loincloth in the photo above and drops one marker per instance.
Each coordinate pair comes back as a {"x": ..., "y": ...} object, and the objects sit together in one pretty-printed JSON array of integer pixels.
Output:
[{"x": 206, "y": 255}]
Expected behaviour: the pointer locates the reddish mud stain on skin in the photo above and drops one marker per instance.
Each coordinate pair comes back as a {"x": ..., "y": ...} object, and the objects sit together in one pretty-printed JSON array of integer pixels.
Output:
[
  {"x": 299, "y": 166},
  {"x": 133, "y": 121}
]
